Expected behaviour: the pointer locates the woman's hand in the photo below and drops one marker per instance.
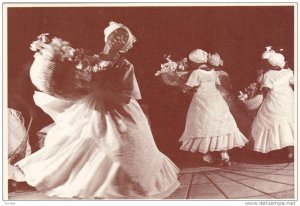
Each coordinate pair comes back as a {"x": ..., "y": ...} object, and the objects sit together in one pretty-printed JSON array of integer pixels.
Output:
[
  {"x": 187, "y": 89},
  {"x": 242, "y": 97}
]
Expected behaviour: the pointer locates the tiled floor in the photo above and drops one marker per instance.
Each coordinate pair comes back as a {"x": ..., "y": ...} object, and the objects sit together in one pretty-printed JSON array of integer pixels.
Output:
[{"x": 240, "y": 181}]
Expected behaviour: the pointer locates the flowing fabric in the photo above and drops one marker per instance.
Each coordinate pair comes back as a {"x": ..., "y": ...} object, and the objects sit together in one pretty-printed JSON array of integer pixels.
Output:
[
  {"x": 101, "y": 149},
  {"x": 242, "y": 118},
  {"x": 209, "y": 123},
  {"x": 18, "y": 143},
  {"x": 273, "y": 126}
]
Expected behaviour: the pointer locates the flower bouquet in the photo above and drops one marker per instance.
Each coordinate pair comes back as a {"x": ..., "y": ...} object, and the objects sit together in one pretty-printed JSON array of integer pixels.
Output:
[
  {"x": 252, "y": 98},
  {"x": 60, "y": 70},
  {"x": 172, "y": 72}
]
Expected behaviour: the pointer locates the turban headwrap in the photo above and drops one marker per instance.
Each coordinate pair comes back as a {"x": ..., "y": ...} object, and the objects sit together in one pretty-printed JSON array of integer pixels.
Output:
[
  {"x": 198, "y": 56},
  {"x": 113, "y": 26}
]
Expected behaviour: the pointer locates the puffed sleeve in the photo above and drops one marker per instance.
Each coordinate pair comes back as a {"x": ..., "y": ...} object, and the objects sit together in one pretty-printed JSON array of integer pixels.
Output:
[
  {"x": 194, "y": 79},
  {"x": 267, "y": 81}
]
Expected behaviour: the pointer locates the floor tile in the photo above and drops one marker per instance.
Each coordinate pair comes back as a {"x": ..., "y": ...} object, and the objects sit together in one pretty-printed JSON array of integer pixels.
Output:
[
  {"x": 266, "y": 186},
  {"x": 291, "y": 169},
  {"x": 279, "y": 178},
  {"x": 180, "y": 193},
  {"x": 246, "y": 173},
  {"x": 200, "y": 178},
  {"x": 198, "y": 169},
  {"x": 262, "y": 170},
  {"x": 232, "y": 176},
  {"x": 216, "y": 178},
  {"x": 205, "y": 191},
  {"x": 235, "y": 190},
  {"x": 284, "y": 172},
  {"x": 289, "y": 194},
  {"x": 185, "y": 179},
  {"x": 262, "y": 165}
]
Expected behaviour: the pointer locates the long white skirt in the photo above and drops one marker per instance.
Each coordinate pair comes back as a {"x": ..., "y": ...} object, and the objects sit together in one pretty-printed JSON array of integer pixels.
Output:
[
  {"x": 273, "y": 126},
  {"x": 99, "y": 150},
  {"x": 210, "y": 126}
]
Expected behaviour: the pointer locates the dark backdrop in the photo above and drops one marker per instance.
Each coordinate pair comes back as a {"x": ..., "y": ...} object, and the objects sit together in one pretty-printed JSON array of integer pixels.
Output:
[{"x": 238, "y": 34}]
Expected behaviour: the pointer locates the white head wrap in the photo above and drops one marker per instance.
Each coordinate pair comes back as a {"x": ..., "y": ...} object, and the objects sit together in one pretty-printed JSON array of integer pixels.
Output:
[
  {"x": 215, "y": 59},
  {"x": 112, "y": 27},
  {"x": 198, "y": 56},
  {"x": 267, "y": 53},
  {"x": 277, "y": 59}
]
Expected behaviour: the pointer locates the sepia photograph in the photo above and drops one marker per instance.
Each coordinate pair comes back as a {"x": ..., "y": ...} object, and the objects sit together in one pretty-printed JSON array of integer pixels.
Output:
[{"x": 150, "y": 101}]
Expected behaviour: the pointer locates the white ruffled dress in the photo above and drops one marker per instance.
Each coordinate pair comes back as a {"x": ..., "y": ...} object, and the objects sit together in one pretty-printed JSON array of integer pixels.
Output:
[
  {"x": 100, "y": 149},
  {"x": 273, "y": 126},
  {"x": 209, "y": 124}
]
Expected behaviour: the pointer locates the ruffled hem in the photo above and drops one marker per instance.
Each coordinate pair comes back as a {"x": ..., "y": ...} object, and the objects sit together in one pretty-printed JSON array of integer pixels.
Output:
[
  {"x": 274, "y": 138},
  {"x": 89, "y": 173},
  {"x": 216, "y": 143}
]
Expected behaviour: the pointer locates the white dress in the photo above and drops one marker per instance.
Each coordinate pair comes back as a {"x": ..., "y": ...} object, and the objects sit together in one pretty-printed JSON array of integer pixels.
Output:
[
  {"x": 209, "y": 123},
  {"x": 241, "y": 117},
  {"x": 18, "y": 143},
  {"x": 100, "y": 149},
  {"x": 273, "y": 126}
]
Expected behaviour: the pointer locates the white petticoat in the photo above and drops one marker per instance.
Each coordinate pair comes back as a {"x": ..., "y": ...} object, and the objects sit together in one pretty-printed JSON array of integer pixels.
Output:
[
  {"x": 210, "y": 125},
  {"x": 275, "y": 138},
  {"x": 217, "y": 143},
  {"x": 273, "y": 126}
]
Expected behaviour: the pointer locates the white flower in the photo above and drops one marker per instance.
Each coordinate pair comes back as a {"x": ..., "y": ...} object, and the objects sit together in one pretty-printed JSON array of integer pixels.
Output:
[
  {"x": 157, "y": 73},
  {"x": 68, "y": 52},
  {"x": 169, "y": 66},
  {"x": 60, "y": 50},
  {"x": 43, "y": 38},
  {"x": 172, "y": 66},
  {"x": 243, "y": 97},
  {"x": 79, "y": 66},
  {"x": 58, "y": 42},
  {"x": 33, "y": 46},
  {"x": 267, "y": 53},
  {"x": 215, "y": 59},
  {"x": 182, "y": 64},
  {"x": 268, "y": 48},
  {"x": 36, "y": 45}
]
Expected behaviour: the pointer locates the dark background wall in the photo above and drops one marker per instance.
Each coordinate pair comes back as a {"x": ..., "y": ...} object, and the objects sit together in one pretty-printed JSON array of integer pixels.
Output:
[{"x": 238, "y": 34}]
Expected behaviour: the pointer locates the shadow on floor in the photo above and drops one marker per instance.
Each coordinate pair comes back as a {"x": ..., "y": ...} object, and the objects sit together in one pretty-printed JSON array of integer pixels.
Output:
[{"x": 187, "y": 159}]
